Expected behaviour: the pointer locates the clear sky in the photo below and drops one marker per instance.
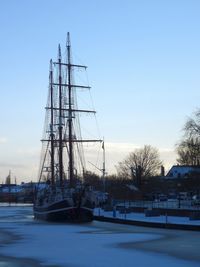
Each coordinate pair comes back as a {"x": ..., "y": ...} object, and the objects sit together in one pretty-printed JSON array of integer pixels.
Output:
[{"x": 144, "y": 69}]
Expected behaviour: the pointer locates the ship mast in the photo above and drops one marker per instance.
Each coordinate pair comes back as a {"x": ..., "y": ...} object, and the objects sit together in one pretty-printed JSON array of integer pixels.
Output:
[
  {"x": 51, "y": 125},
  {"x": 104, "y": 167},
  {"x": 60, "y": 127},
  {"x": 71, "y": 164},
  {"x": 59, "y": 139}
]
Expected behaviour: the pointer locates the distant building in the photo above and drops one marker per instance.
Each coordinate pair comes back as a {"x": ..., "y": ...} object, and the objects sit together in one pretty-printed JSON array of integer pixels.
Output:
[{"x": 183, "y": 171}]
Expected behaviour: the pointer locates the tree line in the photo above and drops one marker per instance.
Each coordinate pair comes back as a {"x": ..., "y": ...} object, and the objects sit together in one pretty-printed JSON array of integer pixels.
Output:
[
  {"x": 145, "y": 162},
  {"x": 139, "y": 173}
]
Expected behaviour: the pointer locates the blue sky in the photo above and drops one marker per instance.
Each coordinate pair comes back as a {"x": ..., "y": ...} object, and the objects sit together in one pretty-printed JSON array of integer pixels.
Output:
[{"x": 144, "y": 69}]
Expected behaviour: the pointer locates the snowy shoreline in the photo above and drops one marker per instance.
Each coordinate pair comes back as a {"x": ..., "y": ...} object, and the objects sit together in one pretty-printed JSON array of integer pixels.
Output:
[{"x": 139, "y": 219}]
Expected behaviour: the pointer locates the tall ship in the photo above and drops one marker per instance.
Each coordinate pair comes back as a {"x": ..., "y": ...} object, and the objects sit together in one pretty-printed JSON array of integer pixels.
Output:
[{"x": 61, "y": 194}]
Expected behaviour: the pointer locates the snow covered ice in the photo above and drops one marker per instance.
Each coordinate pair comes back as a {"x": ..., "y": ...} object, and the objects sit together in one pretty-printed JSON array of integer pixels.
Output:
[{"x": 94, "y": 244}]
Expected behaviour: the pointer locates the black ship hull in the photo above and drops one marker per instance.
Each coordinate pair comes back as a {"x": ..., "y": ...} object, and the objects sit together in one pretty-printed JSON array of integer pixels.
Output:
[{"x": 62, "y": 212}]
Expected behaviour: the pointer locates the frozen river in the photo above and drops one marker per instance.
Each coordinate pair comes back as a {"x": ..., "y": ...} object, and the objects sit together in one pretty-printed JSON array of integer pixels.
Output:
[{"x": 27, "y": 242}]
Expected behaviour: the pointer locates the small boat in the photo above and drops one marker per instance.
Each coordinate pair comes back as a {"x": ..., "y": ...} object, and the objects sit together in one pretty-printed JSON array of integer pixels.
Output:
[{"x": 61, "y": 194}]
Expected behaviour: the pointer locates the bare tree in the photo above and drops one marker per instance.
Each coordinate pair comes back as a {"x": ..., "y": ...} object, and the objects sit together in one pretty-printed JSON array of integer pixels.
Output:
[
  {"x": 146, "y": 160},
  {"x": 192, "y": 126},
  {"x": 188, "y": 149}
]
